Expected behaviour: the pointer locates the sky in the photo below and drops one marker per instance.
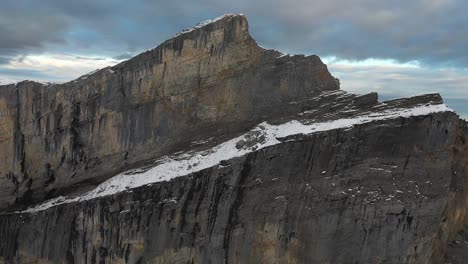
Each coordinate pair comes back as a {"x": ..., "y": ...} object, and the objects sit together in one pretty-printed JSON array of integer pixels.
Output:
[{"x": 396, "y": 48}]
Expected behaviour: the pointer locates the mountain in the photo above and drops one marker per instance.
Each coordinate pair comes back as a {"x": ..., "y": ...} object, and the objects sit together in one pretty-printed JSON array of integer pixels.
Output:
[{"x": 212, "y": 149}]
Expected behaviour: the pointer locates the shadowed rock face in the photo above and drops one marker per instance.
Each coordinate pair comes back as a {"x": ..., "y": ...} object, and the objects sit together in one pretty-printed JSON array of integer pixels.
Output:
[
  {"x": 388, "y": 190},
  {"x": 379, "y": 193},
  {"x": 214, "y": 80}
]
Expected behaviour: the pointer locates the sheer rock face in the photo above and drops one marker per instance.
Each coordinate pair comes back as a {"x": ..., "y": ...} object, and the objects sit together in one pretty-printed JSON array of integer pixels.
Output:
[
  {"x": 381, "y": 192},
  {"x": 389, "y": 190},
  {"x": 210, "y": 81}
]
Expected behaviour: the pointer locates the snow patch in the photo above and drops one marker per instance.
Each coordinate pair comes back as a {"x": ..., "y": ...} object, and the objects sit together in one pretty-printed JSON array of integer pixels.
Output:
[
  {"x": 85, "y": 76},
  {"x": 170, "y": 167}
]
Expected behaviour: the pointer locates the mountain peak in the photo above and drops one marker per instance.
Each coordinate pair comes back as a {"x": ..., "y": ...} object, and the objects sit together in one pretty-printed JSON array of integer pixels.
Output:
[
  {"x": 210, "y": 80},
  {"x": 207, "y": 38},
  {"x": 218, "y": 22}
]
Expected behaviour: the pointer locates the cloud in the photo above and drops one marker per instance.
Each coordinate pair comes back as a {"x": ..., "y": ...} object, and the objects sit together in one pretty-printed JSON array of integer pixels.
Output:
[
  {"x": 78, "y": 57},
  {"x": 4, "y": 60},
  {"x": 432, "y": 32},
  {"x": 26, "y": 26},
  {"x": 33, "y": 74},
  {"x": 51, "y": 67},
  {"x": 124, "y": 56},
  {"x": 394, "y": 80}
]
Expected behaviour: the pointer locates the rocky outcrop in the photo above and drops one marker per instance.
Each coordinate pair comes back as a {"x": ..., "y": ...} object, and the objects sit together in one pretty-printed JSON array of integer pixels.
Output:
[
  {"x": 252, "y": 157},
  {"x": 213, "y": 80}
]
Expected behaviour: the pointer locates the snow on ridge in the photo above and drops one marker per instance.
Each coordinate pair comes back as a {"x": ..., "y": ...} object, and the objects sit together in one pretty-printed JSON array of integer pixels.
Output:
[
  {"x": 86, "y": 75},
  {"x": 170, "y": 167},
  {"x": 204, "y": 23},
  {"x": 16, "y": 82}
]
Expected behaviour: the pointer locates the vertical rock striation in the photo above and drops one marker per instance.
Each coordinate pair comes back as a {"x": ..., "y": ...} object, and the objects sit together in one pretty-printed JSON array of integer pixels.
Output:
[
  {"x": 377, "y": 193},
  {"x": 213, "y": 80}
]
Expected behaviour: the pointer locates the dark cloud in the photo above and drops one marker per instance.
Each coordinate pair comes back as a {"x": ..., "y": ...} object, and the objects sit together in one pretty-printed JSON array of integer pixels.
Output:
[
  {"x": 25, "y": 74},
  {"x": 4, "y": 60},
  {"x": 27, "y": 26},
  {"x": 430, "y": 31}
]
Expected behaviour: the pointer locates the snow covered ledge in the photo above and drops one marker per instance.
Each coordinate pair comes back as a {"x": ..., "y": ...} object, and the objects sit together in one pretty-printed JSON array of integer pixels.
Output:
[{"x": 264, "y": 135}]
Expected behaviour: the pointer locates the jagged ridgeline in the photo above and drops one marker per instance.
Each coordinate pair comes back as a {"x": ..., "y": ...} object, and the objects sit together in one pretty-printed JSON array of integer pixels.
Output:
[{"x": 212, "y": 149}]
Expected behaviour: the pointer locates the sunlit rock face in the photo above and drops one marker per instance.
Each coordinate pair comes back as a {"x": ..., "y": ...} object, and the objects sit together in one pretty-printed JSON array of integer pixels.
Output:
[
  {"x": 212, "y": 80},
  {"x": 211, "y": 149}
]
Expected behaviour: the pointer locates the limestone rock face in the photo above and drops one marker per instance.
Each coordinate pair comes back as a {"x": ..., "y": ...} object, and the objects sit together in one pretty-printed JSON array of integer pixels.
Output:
[
  {"x": 212, "y": 80},
  {"x": 211, "y": 149}
]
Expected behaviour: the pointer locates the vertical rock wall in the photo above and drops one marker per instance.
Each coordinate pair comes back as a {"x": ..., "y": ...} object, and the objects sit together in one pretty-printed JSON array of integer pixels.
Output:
[{"x": 210, "y": 81}]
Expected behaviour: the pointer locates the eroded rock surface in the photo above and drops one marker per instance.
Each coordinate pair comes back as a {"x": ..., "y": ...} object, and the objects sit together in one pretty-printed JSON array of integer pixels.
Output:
[{"x": 213, "y": 80}]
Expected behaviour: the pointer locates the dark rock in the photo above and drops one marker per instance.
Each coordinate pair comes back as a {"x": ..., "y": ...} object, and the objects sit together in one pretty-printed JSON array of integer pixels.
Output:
[
  {"x": 240, "y": 144},
  {"x": 367, "y": 99}
]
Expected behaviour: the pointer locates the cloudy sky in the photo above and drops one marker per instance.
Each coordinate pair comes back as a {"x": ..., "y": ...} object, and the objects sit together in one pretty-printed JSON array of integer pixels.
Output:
[{"x": 397, "y": 48}]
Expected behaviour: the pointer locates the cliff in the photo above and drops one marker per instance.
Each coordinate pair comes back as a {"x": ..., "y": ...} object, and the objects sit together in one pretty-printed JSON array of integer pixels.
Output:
[
  {"x": 211, "y": 149},
  {"x": 213, "y": 80}
]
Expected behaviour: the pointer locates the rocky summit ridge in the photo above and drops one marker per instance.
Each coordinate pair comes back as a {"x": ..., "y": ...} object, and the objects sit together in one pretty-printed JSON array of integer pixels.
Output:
[{"x": 212, "y": 149}]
